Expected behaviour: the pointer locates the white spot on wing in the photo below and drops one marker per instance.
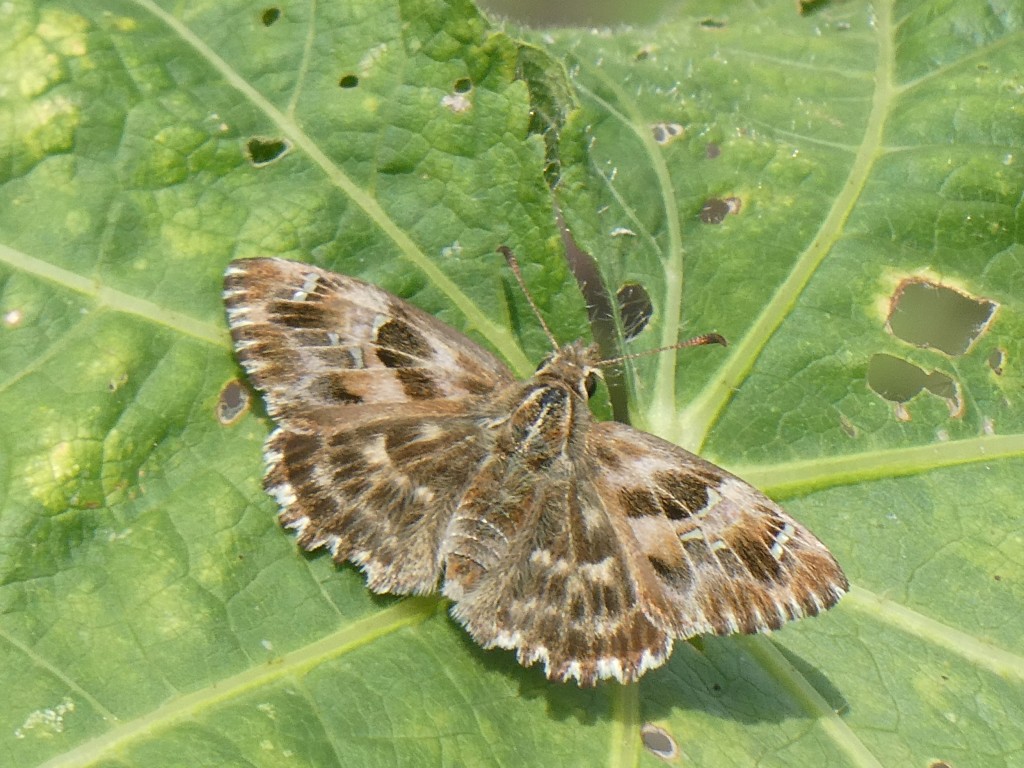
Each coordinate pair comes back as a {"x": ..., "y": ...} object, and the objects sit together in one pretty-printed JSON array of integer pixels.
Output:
[
  {"x": 376, "y": 453},
  {"x": 783, "y": 538},
  {"x": 308, "y": 286}
]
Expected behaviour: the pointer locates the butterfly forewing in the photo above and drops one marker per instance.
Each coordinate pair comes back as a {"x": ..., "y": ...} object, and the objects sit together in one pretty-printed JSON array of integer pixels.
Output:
[
  {"x": 410, "y": 451},
  {"x": 315, "y": 340}
]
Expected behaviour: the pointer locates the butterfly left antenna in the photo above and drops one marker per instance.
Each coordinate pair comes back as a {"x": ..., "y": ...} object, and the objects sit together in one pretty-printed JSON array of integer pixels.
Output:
[{"x": 513, "y": 262}]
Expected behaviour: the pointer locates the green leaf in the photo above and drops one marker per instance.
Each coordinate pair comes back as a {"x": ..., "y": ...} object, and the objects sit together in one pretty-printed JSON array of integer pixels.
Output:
[{"x": 152, "y": 612}]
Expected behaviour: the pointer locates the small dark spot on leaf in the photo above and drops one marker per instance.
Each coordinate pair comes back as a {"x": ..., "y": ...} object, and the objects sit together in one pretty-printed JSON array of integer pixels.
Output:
[
  {"x": 270, "y": 16},
  {"x": 713, "y": 23},
  {"x": 263, "y": 151},
  {"x": 716, "y": 688},
  {"x": 712, "y": 150},
  {"x": 805, "y": 7},
  {"x": 659, "y": 742},
  {"x": 933, "y": 316},
  {"x": 348, "y": 81},
  {"x": 714, "y": 211},
  {"x": 997, "y": 577},
  {"x": 645, "y": 53},
  {"x": 995, "y": 361},
  {"x": 462, "y": 85},
  {"x": 233, "y": 402},
  {"x": 635, "y": 309}
]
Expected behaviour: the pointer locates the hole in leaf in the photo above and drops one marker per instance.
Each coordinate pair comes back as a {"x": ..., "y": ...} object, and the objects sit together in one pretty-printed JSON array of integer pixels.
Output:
[
  {"x": 715, "y": 210},
  {"x": 635, "y": 309},
  {"x": 665, "y": 132},
  {"x": 348, "y": 81},
  {"x": 899, "y": 381},
  {"x": 270, "y": 16},
  {"x": 995, "y": 361},
  {"x": 263, "y": 151},
  {"x": 712, "y": 150},
  {"x": 232, "y": 402},
  {"x": 929, "y": 315},
  {"x": 713, "y": 23},
  {"x": 462, "y": 85},
  {"x": 659, "y": 742}
]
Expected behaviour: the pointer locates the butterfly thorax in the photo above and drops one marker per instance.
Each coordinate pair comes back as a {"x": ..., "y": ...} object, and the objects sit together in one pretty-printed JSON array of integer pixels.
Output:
[{"x": 549, "y": 412}]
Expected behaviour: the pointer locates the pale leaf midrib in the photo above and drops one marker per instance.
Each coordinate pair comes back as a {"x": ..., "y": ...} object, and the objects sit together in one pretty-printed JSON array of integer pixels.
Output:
[{"x": 698, "y": 418}]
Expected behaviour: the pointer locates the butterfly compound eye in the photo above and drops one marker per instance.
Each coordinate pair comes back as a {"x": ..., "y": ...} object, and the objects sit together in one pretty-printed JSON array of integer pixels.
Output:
[{"x": 590, "y": 384}]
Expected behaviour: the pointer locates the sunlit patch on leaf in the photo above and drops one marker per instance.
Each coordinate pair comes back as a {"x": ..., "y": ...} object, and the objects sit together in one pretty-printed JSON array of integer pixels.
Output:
[
  {"x": 456, "y": 102},
  {"x": 46, "y": 722}
]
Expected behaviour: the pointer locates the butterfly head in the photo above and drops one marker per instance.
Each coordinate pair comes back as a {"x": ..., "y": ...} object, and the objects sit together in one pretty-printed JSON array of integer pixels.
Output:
[{"x": 573, "y": 367}]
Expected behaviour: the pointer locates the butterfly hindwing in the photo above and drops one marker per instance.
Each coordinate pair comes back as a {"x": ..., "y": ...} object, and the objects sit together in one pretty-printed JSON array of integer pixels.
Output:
[{"x": 725, "y": 555}]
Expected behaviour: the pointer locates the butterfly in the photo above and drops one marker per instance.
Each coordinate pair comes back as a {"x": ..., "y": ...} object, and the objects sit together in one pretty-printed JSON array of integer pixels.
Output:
[{"x": 409, "y": 450}]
